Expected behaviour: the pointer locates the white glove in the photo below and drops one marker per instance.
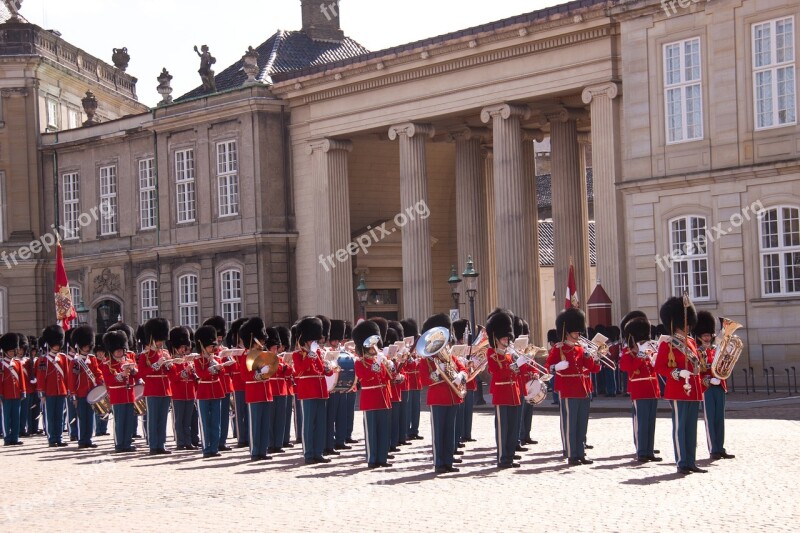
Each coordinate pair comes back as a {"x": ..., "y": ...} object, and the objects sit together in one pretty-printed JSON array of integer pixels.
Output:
[
  {"x": 400, "y": 378},
  {"x": 264, "y": 369},
  {"x": 685, "y": 374},
  {"x": 715, "y": 381},
  {"x": 561, "y": 365},
  {"x": 314, "y": 347},
  {"x": 33, "y": 381}
]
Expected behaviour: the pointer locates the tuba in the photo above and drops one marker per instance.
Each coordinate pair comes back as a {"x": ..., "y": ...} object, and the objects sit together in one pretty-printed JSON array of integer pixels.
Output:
[
  {"x": 478, "y": 354},
  {"x": 434, "y": 342},
  {"x": 728, "y": 350}
]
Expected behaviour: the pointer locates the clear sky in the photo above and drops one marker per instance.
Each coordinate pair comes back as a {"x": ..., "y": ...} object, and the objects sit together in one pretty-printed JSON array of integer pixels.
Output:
[{"x": 161, "y": 33}]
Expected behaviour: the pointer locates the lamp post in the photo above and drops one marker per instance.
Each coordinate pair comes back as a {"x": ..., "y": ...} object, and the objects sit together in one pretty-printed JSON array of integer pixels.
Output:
[
  {"x": 83, "y": 314},
  {"x": 471, "y": 279},
  {"x": 455, "y": 285},
  {"x": 363, "y": 292}
]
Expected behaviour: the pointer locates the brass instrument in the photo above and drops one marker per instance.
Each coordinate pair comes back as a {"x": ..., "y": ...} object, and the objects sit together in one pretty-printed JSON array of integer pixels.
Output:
[
  {"x": 434, "y": 343},
  {"x": 477, "y": 355},
  {"x": 598, "y": 350},
  {"x": 257, "y": 359},
  {"x": 728, "y": 350}
]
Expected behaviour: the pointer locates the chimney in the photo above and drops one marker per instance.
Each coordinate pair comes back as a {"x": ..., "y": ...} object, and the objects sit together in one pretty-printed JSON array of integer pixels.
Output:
[{"x": 321, "y": 20}]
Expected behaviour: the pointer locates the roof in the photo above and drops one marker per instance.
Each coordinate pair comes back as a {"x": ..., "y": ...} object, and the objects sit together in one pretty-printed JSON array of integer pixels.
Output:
[
  {"x": 544, "y": 190},
  {"x": 284, "y": 51},
  {"x": 547, "y": 249}
]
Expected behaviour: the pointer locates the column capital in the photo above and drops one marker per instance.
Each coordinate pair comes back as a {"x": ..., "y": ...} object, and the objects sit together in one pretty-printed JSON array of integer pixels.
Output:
[
  {"x": 409, "y": 129},
  {"x": 532, "y": 134},
  {"x": 609, "y": 89},
  {"x": 504, "y": 111},
  {"x": 327, "y": 145},
  {"x": 563, "y": 114},
  {"x": 467, "y": 133}
]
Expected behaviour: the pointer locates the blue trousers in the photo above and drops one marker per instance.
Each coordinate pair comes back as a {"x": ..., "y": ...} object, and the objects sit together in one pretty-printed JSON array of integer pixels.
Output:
[
  {"x": 278, "y": 422},
  {"x": 24, "y": 409},
  {"x": 261, "y": 415},
  {"x": 405, "y": 416},
  {"x": 314, "y": 423},
  {"x": 209, "y": 412},
  {"x": 644, "y": 426},
  {"x": 342, "y": 427},
  {"x": 574, "y": 423},
  {"x": 34, "y": 412},
  {"x": 684, "y": 432},
  {"x": 376, "y": 435},
  {"x": 469, "y": 408},
  {"x": 413, "y": 423},
  {"x": 195, "y": 425},
  {"x": 714, "y": 414},
  {"x": 443, "y": 431},
  {"x": 298, "y": 420},
  {"x": 157, "y": 411},
  {"x": 182, "y": 421},
  {"x": 72, "y": 420},
  {"x": 330, "y": 420},
  {"x": 459, "y": 425},
  {"x": 100, "y": 425},
  {"x": 351, "y": 414},
  {"x": 242, "y": 418},
  {"x": 287, "y": 428},
  {"x": 124, "y": 425},
  {"x": 224, "y": 420},
  {"x": 54, "y": 417},
  {"x": 11, "y": 420},
  {"x": 85, "y": 421},
  {"x": 506, "y": 432},
  {"x": 525, "y": 419},
  {"x": 395, "y": 433}
]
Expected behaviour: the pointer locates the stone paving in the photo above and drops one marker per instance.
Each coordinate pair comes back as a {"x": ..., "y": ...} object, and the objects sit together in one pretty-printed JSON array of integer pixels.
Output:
[{"x": 68, "y": 489}]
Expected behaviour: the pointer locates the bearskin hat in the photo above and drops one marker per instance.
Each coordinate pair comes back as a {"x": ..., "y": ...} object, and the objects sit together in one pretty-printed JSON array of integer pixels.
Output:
[
  {"x": 672, "y": 315},
  {"x": 637, "y": 330},
  {"x": 499, "y": 325},
  {"x": 23, "y": 341},
  {"x": 232, "y": 337},
  {"x": 8, "y": 342},
  {"x": 115, "y": 340},
  {"x": 526, "y": 328},
  {"x": 410, "y": 328},
  {"x": 591, "y": 332},
  {"x": 398, "y": 327},
  {"x": 630, "y": 316},
  {"x": 273, "y": 338},
  {"x": 459, "y": 327},
  {"x": 98, "y": 343},
  {"x": 284, "y": 335},
  {"x": 326, "y": 326},
  {"x": 517, "y": 326},
  {"x": 68, "y": 337},
  {"x": 252, "y": 330},
  {"x": 362, "y": 332},
  {"x": 552, "y": 336},
  {"x": 309, "y": 329},
  {"x": 218, "y": 323},
  {"x": 179, "y": 336},
  {"x": 383, "y": 325},
  {"x": 141, "y": 336},
  {"x": 124, "y": 328},
  {"x": 706, "y": 323},
  {"x": 613, "y": 333},
  {"x": 156, "y": 329},
  {"x": 337, "y": 328},
  {"x": 348, "y": 330},
  {"x": 570, "y": 321},
  {"x": 440, "y": 320},
  {"x": 205, "y": 336},
  {"x": 293, "y": 337},
  {"x": 391, "y": 336},
  {"x": 83, "y": 336},
  {"x": 53, "y": 336}
]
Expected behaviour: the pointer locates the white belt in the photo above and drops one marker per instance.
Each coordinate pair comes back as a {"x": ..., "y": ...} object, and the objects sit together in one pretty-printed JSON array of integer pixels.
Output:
[
  {"x": 204, "y": 381},
  {"x": 374, "y": 387},
  {"x": 314, "y": 376},
  {"x": 157, "y": 376},
  {"x": 643, "y": 379},
  {"x": 505, "y": 383}
]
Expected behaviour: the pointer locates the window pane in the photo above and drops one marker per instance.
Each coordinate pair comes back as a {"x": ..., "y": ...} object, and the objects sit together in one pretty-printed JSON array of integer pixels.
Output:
[
  {"x": 679, "y": 277},
  {"x": 672, "y": 58},
  {"x": 791, "y": 226},
  {"x": 679, "y": 236},
  {"x": 772, "y": 273},
  {"x": 762, "y": 44},
  {"x": 786, "y": 97},
  {"x": 769, "y": 229},
  {"x": 764, "y": 98},
  {"x": 674, "y": 115},
  {"x": 692, "y": 60},
  {"x": 700, "y": 278},
  {"x": 784, "y": 40},
  {"x": 694, "y": 109},
  {"x": 792, "y": 262}
]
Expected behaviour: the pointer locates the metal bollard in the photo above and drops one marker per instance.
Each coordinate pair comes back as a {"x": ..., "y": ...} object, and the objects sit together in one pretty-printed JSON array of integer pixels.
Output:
[
  {"x": 766, "y": 379},
  {"x": 746, "y": 388},
  {"x": 772, "y": 371},
  {"x": 788, "y": 383}
]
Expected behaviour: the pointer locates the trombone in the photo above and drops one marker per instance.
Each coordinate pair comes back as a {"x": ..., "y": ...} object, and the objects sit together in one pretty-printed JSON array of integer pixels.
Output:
[
  {"x": 527, "y": 357},
  {"x": 597, "y": 349}
]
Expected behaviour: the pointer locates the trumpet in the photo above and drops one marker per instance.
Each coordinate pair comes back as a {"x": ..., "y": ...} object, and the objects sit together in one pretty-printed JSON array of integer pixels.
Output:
[{"x": 597, "y": 349}]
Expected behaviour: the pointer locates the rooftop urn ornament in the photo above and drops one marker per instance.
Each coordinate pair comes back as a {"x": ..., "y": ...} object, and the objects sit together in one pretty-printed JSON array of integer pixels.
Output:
[
  {"x": 13, "y": 8},
  {"x": 120, "y": 58},
  {"x": 164, "y": 88},
  {"x": 90, "y": 108},
  {"x": 205, "y": 71},
  {"x": 250, "y": 65}
]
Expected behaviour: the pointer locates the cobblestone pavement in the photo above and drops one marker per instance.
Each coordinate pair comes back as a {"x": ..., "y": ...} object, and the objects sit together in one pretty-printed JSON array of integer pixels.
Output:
[{"x": 69, "y": 489}]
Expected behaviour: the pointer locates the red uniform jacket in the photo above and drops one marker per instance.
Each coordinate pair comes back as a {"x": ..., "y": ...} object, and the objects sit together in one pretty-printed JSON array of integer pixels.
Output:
[
  {"x": 571, "y": 382},
  {"x": 309, "y": 376},
  {"x": 183, "y": 381},
  {"x": 79, "y": 380},
  {"x": 278, "y": 383},
  {"x": 156, "y": 382},
  {"x": 256, "y": 390},
  {"x": 29, "y": 370},
  {"x": 120, "y": 390},
  {"x": 375, "y": 380},
  {"x": 642, "y": 380},
  {"x": 234, "y": 374},
  {"x": 13, "y": 380},
  {"x": 710, "y": 353},
  {"x": 504, "y": 386},
  {"x": 209, "y": 386},
  {"x": 51, "y": 374},
  {"x": 439, "y": 392},
  {"x": 669, "y": 362},
  {"x": 412, "y": 370},
  {"x": 526, "y": 373}
]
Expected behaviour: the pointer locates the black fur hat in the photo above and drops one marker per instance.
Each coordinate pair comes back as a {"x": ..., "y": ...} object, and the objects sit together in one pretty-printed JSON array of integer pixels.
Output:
[
  {"x": 309, "y": 329},
  {"x": 672, "y": 312},
  {"x": 391, "y": 336},
  {"x": 518, "y": 325},
  {"x": 459, "y": 327},
  {"x": 326, "y": 325},
  {"x": 706, "y": 323},
  {"x": 68, "y": 337},
  {"x": 348, "y": 330},
  {"x": 115, "y": 340},
  {"x": 24, "y": 343},
  {"x": 273, "y": 338},
  {"x": 552, "y": 336},
  {"x": 53, "y": 335},
  {"x": 613, "y": 333},
  {"x": 398, "y": 327},
  {"x": 285, "y": 335},
  {"x": 251, "y": 330},
  {"x": 98, "y": 343},
  {"x": 141, "y": 336},
  {"x": 383, "y": 325},
  {"x": 293, "y": 337},
  {"x": 124, "y": 328},
  {"x": 83, "y": 336},
  {"x": 410, "y": 328},
  {"x": 156, "y": 329},
  {"x": 218, "y": 323},
  {"x": 526, "y": 328},
  {"x": 630, "y": 316},
  {"x": 440, "y": 320},
  {"x": 337, "y": 328},
  {"x": 179, "y": 336},
  {"x": 8, "y": 342},
  {"x": 570, "y": 321},
  {"x": 636, "y": 331},
  {"x": 232, "y": 338},
  {"x": 499, "y": 325},
  {"x": 205, "y": 336},
  {"x": 362, "y": 332}
]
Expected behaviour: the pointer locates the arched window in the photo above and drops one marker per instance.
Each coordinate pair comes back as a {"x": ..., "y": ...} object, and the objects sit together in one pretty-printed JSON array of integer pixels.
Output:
[
  {"x": 688, "y": 245},
  {"x": 230, "y": 286},
  {"x": 779, "y": 245},
  {"x": 148, "y": 298},
  {"x": 188, "y": 309}
]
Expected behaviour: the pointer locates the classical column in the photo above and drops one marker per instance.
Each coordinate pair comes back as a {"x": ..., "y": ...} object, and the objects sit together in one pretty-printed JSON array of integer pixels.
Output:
[
  {"x": 417, "y": 266},
  {"x": 487, "y": 282},
  {"x": 570, "y": 213},
  {"x": 606, "y": 170},
  {"x": 472, "y": 237},
  {"x": 532, "y": 213},
  {"x": 332, "y": 227},
  {"x": 511, "y": 233}
]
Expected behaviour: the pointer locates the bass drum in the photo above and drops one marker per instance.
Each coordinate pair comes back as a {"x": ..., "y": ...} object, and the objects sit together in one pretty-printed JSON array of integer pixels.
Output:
[
  {"x": 139, "y": 404},
  {"x": 537, "y": 392},
  {"x": 98, "y": 400}
]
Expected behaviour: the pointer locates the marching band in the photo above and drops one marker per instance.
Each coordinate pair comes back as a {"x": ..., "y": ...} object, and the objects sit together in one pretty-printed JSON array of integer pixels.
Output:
[{"x": 263, "y": 375}]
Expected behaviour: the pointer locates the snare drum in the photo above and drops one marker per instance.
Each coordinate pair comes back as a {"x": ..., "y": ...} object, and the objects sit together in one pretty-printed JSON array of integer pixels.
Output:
[
  {"x": 537, "y": 392},
  {"x": 139, "y": 404},
  {"x": 98, "y": 400},
  {"x": 346, "y": 374}
]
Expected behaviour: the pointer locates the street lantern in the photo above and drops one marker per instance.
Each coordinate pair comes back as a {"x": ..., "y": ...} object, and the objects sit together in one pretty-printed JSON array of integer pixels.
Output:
[
  {"x": 83, "y": 313},
  {"x": 363, "y": 292},
  {"x": 455, "y": 286},
  {"x": 471, "y": 280}
]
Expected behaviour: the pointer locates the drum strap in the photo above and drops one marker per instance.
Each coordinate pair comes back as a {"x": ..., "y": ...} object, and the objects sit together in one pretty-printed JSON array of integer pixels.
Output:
[
  {"x": 54, "y": 362},
  {"x": 87, "y": 370}
]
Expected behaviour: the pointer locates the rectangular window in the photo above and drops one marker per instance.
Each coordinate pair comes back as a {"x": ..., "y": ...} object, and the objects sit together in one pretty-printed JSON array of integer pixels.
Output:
[
  {"x": 75, "y": 293},
  {"x": 52, "y": 114},
  {"x": 184, "y": 180},
  {"x": 774, "y": 73},
  {"x": 780, "y": 251},
  {"x": 71, "y": 206},
  {"x": 73, "y": 118},
  {"x": 228, "y": 178},
  {"x": 148, "y": 296},
  {"x": 147, "y": 194},
  {"x": 108, "y": 200},
  {"x": 689, "y": 245},
  {"x": 683, "y": 91},
  {"x": 231, "y": 295},
  {"x": 187, "y": 301}
]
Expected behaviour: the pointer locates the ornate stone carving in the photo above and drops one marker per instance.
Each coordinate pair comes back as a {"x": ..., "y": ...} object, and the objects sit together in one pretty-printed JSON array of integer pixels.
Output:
[
  {"x": 205, "y": 70},
  {"x": 120, "y": 58},
  {"x": 327, "y": 145},
  {"x": 611, "y": 90},
  {"x": 107, "y": 282},
  {"x": 164, "y": 88},
  {"x": 90, "y": 108},
  {"x": 504, "y": 111},
  {"x": 409, "y": 129},
  {"x": 250, "y": 65}
]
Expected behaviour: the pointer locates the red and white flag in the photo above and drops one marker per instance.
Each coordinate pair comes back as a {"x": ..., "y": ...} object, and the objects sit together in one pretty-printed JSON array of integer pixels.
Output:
[
  {"x": 571, "y": 299},
  {"x": 65, "y": 310}
]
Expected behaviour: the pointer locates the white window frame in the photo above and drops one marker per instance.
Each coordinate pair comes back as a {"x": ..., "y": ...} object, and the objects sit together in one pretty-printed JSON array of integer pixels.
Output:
[
  {"x": 3, "y": 310},
  {"x": 773, "y": 67},
  {"x": 148, "y": 197},
  {"x": 230, "y": 291},
  {"x": 185, "y": 186},
  {"x": 71, "y": 183},
  {"x": 108, "y": 200},
  {"x": 782, "y": 250},
  {"x": 188, "y": 298},
  {"x": 148, "y": 298},
  {"x": 76, "y": 293},
  {"x": 688, "y": 258},
  {"x": 682, "y": 86},
  {"x": 227, "y": 178},
  {"x": 52, "y": 110},
  {"x": 74, "y": 117}
]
